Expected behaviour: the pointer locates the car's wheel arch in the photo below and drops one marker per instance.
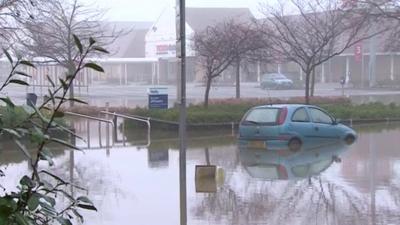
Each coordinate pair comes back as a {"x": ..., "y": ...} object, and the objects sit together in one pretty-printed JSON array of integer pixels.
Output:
[
  {"x": 349, "y": 139},
  {"x": 295, "y": 143}
]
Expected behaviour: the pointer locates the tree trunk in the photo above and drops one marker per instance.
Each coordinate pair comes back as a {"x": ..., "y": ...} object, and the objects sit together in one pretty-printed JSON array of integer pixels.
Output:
[
  {"x": 71, "y": 89},
  {"x": 238, "y": 79},
  {"x": 71, "y": 95},
  {"x": 312, "y": 83},
  {"x": 207, "y": 94},
  {"x": 307, "y": 89}
]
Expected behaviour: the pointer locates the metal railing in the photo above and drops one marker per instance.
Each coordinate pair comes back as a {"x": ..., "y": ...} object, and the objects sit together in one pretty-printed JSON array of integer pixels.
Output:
[
  {"x": 90, "y": 117},
  {"x": 147, "y": 121},
  {"x": 100, "y": 120}
]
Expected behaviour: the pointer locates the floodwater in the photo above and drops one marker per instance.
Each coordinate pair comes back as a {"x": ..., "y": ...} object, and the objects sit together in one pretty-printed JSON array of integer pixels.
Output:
[{"x": 136, "y": 180}]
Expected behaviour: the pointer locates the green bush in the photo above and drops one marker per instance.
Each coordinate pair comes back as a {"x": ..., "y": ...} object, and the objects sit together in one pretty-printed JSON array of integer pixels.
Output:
[
  {"x": 12, "y": 117},
  {"x": 227, "y": 112},
  {"x": 364, "y": 111}
]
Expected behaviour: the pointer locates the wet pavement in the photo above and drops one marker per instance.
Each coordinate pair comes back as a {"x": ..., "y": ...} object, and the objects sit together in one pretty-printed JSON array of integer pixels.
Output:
[{"x": 136, "y": 94}]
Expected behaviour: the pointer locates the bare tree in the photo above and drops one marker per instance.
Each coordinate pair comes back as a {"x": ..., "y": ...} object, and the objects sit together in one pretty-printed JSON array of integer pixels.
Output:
[
  {"x": 12, "y": 11},
  {"x": 219, "y": 46},
  {"x": 386, "y": 8},
  {"x": 310, "y": 33},
  {"x": 248, "y": 42},
  {"x": 389, "y": 12},
  {"x": 50, "y": 34}
]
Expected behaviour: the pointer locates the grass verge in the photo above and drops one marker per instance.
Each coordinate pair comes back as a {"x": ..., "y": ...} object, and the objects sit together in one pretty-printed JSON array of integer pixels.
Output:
[{"x": 224, "y": 112}]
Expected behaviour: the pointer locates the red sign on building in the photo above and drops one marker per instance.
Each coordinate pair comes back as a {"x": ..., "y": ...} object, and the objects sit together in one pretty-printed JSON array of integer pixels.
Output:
[
  {"x": 165, "y": 49},
  {"x": 358, "y": 52}
]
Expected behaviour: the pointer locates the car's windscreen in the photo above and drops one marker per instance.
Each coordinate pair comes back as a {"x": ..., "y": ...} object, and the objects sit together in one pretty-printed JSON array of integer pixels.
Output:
[
  {"x": 280, "y": 77},
  {"x": 274, "y": 77},
  {"x": 265, "y": 172},
  {"x": 262, "y": 116}
]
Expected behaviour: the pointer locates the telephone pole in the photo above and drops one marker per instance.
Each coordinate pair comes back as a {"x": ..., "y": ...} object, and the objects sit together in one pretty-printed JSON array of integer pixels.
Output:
[{"x": 181, "y": 56}]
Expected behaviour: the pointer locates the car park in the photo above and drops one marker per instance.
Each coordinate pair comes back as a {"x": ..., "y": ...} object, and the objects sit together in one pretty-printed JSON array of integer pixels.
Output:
[
  {"x": 292, "y": 125},
  {"x": 275, "y": 81}
]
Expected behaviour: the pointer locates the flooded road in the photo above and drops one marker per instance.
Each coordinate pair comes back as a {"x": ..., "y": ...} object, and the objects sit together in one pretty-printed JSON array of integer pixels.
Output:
[{"x": 136, "y": 180}]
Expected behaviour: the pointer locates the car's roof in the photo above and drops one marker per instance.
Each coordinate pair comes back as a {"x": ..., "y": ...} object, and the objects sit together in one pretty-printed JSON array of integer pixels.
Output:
[
  {"x": 284, "y": 105},
  {"x": 273, "y": 74}
]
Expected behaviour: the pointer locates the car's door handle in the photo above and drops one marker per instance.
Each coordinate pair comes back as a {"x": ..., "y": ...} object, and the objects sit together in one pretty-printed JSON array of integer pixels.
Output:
[{"x": 316, "y": 128}]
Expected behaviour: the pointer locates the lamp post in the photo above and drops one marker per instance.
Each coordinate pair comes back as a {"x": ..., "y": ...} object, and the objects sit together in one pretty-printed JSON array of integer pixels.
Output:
[{"x": 181, "y": 56}]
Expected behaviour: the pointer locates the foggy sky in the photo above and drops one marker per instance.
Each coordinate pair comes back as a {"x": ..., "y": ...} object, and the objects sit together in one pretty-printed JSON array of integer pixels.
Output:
[{"x": 149, "y": 10}]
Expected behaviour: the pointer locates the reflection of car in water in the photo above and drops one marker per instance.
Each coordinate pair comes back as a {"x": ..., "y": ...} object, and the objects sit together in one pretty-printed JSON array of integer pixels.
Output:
[
  {"x": 292, "y": 125},
  {"x": 285, "y": 164},
  {"x": 275, "y": 81}
]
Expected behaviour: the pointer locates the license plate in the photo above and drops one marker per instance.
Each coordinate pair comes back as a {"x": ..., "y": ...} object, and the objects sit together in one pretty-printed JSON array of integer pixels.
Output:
[{"x": 257, "y": 144}]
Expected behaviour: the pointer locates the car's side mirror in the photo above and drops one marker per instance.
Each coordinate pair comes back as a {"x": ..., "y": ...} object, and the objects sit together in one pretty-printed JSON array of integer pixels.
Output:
[{"x": 336, "y": 121}]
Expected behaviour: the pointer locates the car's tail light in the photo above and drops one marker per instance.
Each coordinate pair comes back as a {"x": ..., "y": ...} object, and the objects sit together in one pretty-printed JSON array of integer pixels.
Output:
[
  {"x": 283, "y": 174},
  {"x": 282, "y": 116}
]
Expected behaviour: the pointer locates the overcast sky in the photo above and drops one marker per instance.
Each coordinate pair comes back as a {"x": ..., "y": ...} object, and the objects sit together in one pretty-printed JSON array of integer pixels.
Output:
[{"x": 149, "y": 10}]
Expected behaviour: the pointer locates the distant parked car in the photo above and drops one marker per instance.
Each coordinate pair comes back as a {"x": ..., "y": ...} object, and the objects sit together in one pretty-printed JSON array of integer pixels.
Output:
[
  {"x": 290, "y": 125},
  {"x": 275, "y": 81}
]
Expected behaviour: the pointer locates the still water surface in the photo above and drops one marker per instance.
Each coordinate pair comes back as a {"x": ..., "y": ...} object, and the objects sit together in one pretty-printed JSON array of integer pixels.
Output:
[{"x": 137, "y": 183}]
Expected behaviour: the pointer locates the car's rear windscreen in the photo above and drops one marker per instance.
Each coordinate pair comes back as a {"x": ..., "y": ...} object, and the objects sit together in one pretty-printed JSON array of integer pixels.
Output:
[{"x": 262, "y": 116}]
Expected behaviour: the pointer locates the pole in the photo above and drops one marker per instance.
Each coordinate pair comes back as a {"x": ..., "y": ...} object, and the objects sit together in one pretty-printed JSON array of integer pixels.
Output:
[
  {"x": 372, "y": 62},
  {"x": 392, "y": 67},
  {"x": 362, "y": 69},
  {"x": 126, "y": 73},
  {"x": 347, "y": 76},
  {"x": 72, "y": 160},
  {"x": 372, "y": 180},
  {"x": 181, "y": 54}
]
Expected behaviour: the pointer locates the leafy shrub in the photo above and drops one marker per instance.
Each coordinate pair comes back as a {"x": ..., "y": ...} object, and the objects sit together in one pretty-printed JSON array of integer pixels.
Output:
[
  {"x": 12, "y": 117},
  {"x": 36, "y": 200}
]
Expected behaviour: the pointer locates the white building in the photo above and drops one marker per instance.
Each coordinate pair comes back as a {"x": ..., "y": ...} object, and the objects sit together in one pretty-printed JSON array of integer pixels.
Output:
[{"x": 161, "y": 37}]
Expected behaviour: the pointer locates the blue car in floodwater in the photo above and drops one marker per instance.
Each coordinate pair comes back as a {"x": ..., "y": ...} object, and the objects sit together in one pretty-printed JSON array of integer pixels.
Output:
[{"x": 291, "y": 125}]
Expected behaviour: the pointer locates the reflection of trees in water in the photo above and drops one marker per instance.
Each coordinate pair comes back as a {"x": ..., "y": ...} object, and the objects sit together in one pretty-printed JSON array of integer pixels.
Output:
[
  {"x": 2, "y": 189},
  {"x": 90, "y": 174},
  {"x": 222, "y": 155},
  {"x": 395, "y": 193},
  {"x": 315, "y": 201},
  {"x": 377, "y": 127}
]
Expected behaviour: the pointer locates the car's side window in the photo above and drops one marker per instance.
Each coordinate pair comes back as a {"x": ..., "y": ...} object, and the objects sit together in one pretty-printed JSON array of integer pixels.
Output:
[
  {"x": 263, "y": 115},
  {"x": 319, "y": 116},
  {"x": 300, "y": 115}
]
